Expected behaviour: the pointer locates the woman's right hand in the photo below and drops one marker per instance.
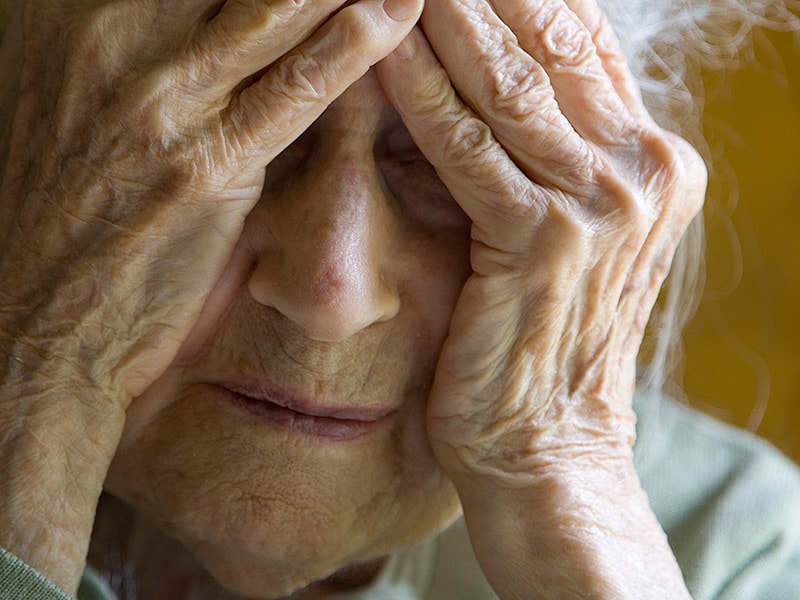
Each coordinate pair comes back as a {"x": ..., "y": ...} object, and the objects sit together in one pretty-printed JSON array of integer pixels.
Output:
[{"x": 135, "y": 135}]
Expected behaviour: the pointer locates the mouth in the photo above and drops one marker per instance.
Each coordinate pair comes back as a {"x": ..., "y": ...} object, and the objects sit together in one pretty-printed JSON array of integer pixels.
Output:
[{"x": 295, "y": 412}]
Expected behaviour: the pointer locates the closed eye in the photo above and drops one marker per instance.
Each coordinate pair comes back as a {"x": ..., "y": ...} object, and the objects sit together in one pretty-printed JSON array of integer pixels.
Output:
[{"x": 414, "y": 183}]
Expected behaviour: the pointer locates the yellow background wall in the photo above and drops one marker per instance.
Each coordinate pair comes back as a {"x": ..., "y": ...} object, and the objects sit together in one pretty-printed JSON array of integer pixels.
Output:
[{"x": 743, "y": 349}]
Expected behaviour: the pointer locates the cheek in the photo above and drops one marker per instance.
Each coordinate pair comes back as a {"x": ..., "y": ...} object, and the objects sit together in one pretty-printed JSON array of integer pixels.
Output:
[
  {"x": 219, "y": 304},
  {"x": 437, "y": 269}
]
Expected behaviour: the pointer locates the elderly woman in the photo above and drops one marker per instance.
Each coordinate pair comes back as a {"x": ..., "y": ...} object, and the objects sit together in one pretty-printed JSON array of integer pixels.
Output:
[{"x": 288, "y": 287}]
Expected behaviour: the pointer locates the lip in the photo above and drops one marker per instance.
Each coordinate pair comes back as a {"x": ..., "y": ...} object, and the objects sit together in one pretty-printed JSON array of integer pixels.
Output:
[{"x": 292, "y": 410}]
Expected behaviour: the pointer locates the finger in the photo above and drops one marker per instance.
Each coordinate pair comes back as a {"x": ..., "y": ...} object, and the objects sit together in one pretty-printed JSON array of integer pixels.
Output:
[
  {"x": 485, "y": 182},
  {"x": 274, "y": 110},
  {"x": 509, "y": 90},
  {"x": 558, "y": 39},
  {"x": 247, "y": 36},
  {"x": 683, "y": 191},
  {"x": 608, "y": 49}
]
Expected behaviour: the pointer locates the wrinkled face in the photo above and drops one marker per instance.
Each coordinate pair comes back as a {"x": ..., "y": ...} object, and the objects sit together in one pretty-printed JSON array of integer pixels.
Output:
[{"x": 288, "y": 438}]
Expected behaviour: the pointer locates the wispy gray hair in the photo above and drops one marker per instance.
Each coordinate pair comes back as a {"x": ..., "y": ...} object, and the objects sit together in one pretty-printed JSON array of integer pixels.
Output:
[{"x": 668, "y": 44}]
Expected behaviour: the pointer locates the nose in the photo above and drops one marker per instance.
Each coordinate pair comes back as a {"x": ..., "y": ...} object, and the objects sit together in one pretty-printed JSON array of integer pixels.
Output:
[{"x": 327, "y": 234}]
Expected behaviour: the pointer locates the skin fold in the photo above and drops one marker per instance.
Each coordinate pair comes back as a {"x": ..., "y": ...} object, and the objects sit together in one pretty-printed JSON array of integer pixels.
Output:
[{"x": 457, "y": 217}]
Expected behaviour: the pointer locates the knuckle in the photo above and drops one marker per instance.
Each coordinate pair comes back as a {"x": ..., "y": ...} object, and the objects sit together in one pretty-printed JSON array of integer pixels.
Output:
[
  {"x": 632, "y": 215},
  {"x": 103, "y": 34},
  {"x": 202, "y": 65},
  {"x": 302, "y": 77},
  {"x": 241, "y": 18},
  {"x": 466, "y": 140},
  {"x": 563, "y": 41},
  {"x": 620, "y": 205},
  {"x": 433, "y": 95},
  {"x": 352, "y": 28},
  {"x": 655, "y": 195},
  {"x": 673, "y": 173},
  {"x": 570, "y": 224},
  {"x": 468, "y": 145},
  {"x": 82, "y": 44},
  {"x": 104, "y": 72},
  {"x": 607, "y": 46},
  {"x": 257, "y": 14},
  {"x": 519, "y": 88},
  {"x": 83, "y": 33},
  {"x": 277, "y": 12},
  {"x": 317, "y": 71},
  {"x": 694, "y": 167},
  {"x": 634, "y": 222}
]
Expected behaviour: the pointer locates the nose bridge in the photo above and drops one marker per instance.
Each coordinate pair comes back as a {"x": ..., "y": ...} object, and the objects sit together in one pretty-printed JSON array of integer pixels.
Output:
[
  {"x": 334, "y": 228},
  {"x": 341, "y": 248}
]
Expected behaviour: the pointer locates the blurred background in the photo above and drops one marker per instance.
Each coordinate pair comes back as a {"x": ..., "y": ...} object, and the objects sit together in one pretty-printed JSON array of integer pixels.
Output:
[{"x": 742, "y": 355}]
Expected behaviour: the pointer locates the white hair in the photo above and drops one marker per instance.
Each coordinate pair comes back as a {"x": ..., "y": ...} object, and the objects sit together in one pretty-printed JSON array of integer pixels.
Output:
[{"x": 668, "y": 43}]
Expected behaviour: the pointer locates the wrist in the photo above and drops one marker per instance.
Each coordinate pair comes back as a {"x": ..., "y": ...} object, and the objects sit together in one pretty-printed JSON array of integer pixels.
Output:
[
  {"x": 582, "y": 533},
  {"x": 58, "y": 443}
]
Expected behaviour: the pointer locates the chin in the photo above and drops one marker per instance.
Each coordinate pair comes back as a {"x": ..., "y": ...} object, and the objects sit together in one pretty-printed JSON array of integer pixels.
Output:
[
  {"x": 275, "y": 555},
  {"x": 266, "y": 511}
]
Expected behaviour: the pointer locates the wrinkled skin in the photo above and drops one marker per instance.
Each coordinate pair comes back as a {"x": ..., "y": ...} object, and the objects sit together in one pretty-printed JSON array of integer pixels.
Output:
[{"x": 201, "y": 190}]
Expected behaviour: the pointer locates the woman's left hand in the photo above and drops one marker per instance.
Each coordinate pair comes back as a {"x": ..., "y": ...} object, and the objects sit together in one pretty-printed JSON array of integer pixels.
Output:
[{"x": 578, "y": 201}]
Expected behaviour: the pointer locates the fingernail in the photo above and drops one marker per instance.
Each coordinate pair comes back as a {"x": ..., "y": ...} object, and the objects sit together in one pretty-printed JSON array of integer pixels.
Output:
[
  {"x": 407, "y": 48},
  {"x": 401, "y": 10}
]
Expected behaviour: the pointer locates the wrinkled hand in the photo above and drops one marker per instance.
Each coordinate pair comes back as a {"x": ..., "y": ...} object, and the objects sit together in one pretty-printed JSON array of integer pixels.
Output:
[
  {"x": 578, "y": 200},
  {"x": 139, "y": 147},
  {"x": 141, "y": 131}
]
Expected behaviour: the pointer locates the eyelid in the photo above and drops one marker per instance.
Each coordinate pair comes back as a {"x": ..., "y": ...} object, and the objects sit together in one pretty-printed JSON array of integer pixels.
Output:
[
  {"x": 399, "y": 141},
  {"x": 419, "y": 192}
]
